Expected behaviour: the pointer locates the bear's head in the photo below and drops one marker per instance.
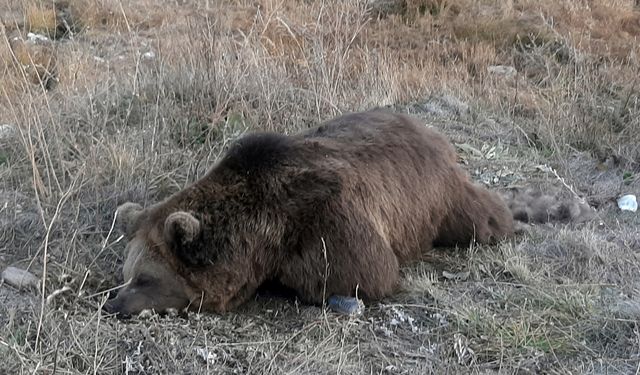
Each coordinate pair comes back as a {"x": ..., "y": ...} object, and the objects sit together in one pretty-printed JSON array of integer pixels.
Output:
[
  {"x": 150, "y": 271},
  {"x": 208, "y": 247}
]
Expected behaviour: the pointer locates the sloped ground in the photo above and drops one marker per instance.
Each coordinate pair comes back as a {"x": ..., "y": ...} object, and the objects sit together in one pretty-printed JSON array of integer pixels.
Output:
[{"x": 142, "y": 99}]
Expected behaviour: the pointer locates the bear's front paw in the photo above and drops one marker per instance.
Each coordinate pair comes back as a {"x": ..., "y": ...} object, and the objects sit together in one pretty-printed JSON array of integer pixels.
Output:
[{"x": 345, "y": 305}]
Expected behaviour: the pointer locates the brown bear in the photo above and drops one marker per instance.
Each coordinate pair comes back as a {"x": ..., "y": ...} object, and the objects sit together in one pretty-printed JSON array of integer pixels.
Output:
[{"x": 327, "y": 212}]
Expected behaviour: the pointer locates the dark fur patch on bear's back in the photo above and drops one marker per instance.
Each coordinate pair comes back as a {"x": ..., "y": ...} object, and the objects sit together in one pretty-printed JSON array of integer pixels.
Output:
[{"x": 257, "y": 152}]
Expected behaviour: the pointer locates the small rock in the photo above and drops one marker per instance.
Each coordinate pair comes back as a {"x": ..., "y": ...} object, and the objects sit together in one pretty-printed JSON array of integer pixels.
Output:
[
  {"x": 346, "y": 305},
  {"x": 149, "y": 55},
  {"x": 33, "y": 37},
  {"x": 20, "y": 278},
  {"x": 502, "y": 70},
  {"x": 628, "y": 203}
]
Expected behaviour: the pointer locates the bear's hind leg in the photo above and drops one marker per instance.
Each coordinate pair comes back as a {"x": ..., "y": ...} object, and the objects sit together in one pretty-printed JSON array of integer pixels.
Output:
[{"x": 477, "y": 214}]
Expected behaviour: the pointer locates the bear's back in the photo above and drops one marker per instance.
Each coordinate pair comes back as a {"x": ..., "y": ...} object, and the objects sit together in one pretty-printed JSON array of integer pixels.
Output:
[{"x": 382, "y": 134}]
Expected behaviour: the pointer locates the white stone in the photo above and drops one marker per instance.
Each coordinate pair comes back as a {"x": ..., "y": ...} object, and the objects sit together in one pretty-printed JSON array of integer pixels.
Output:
[
  {"x": 33, "y": 37},
  {"x": 628, "y": 203},
  {"x": 19, "y": 278}
]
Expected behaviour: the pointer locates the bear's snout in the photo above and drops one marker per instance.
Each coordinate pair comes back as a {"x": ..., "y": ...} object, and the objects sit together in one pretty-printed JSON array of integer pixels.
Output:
[{"x": 114, "y": 306}]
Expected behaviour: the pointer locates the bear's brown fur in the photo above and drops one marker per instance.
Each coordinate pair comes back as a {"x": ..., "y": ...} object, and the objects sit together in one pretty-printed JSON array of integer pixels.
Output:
[{"x": 333, "y": 209}]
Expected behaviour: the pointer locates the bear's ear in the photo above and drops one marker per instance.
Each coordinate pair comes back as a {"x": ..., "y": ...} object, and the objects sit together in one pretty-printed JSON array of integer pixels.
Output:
[
  {"x": 181, "y": 228},
  {"x": 126, "y": 216}
]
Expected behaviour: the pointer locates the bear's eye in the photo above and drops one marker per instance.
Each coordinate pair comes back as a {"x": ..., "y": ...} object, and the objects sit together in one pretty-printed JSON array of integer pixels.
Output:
[{"x": 142, "y": 281}]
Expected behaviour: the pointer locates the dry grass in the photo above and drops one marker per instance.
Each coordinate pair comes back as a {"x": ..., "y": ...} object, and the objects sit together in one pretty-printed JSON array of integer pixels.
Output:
[
  {"x": 41, "y": 19},
  {"x": 147, "y": 94}
]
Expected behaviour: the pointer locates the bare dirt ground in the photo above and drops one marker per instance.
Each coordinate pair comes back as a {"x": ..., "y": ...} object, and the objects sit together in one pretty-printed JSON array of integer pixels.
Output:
[{"x": 131, "y": 100}]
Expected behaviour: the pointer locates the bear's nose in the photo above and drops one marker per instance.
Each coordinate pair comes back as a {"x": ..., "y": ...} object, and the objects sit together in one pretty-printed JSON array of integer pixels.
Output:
[
  {"x": 113, "y": 307},
  {"x": 109, "y": 307}
]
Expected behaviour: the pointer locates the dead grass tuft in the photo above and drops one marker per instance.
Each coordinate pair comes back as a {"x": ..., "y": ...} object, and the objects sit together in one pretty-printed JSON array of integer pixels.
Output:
[
  {"x": 41, "y": 19},
  {"x": 523, "y": 33},
  {"x": 36, "y": 61},
  {"x": 55, "y": 19}
]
